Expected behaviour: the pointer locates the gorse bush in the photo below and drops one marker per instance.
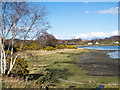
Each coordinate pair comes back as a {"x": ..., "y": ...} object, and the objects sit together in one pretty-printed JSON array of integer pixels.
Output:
[
  {"x": 20, "y": 67},
  {"x": 8, "y": 51},
  {"x": 35, "y": 46},
  {"x": 60, "y": 47},
  {"x": 70, "y": 47},
  {"x": 49, "y": 48},
  {"x": 66, "y": 46},
  {"x": 31, "y": 46},
  {"x": 28, "y": 46},
  {"x": 17, "y": 46}
]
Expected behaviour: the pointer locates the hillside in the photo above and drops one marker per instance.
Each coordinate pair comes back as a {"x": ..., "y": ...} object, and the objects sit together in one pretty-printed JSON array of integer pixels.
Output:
[
  {"x": 51, "y": 40},
  {"x": 110, "y": 40}
]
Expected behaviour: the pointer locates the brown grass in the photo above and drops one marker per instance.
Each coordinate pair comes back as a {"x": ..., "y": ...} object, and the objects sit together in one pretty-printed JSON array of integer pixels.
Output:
[
  {"x": 12, "y": 82},
  {"x": 29, "y": 53}
]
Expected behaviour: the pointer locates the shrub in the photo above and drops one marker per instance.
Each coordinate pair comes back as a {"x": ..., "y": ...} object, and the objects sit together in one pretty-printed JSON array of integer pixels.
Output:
[
  {"x": 49, "y": 48},
  {"x": 71, "y": 47},
  {"x": 8, "y": 51},
  {"x": 26, "y": 47},
  {"x": 31, "y": 46},
  {"x": 20, "y": 67},
  {"x": 34, "y": 46},
  {"x": 17, "y": 47},
  {"x": 66, "y": 46}
]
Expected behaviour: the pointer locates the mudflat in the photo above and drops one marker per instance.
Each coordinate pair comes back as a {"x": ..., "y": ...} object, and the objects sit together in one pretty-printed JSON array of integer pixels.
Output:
[{"x": 98, "y": 63}]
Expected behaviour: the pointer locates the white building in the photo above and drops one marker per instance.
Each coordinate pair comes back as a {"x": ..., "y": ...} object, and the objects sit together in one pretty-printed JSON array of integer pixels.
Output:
[
  {"x": 89, "y": 43},
  {"x": 116, "y": 42},
  {"x": 96, "y": 43}
]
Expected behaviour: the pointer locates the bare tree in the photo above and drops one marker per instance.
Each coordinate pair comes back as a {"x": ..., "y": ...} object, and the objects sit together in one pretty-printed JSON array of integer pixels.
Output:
[{"x": 22, "y": 20}]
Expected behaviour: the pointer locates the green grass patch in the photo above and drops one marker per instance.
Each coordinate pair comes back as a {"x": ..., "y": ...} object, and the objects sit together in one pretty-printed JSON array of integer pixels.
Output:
[{"x": 66, "y": 73}]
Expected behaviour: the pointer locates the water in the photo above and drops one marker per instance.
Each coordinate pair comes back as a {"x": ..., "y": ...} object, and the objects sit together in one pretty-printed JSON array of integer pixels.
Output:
[
  {"x": 113, "y": 55},
  {"x": 102, "y": 47}
]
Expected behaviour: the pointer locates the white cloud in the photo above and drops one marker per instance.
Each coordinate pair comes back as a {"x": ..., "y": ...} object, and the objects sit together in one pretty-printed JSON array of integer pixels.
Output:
[
  {"x": 113, "y": 10},
  {"x": 86, "y": 2},
  {"x": 86, "y": 11},
  {"x": 91, "y": 35}
]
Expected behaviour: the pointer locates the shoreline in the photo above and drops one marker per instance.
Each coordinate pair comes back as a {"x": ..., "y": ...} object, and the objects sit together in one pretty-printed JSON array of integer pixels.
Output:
[{"x": 96, "y": 45}]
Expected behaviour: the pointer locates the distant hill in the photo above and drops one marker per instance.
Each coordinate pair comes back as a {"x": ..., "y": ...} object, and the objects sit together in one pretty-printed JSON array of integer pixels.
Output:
[
  {"x": 51, "y": 40},
  {"x": 109, "y": 40}
]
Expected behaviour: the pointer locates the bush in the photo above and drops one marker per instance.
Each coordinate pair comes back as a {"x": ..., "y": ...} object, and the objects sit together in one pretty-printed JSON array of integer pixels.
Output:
[
  {"x": 20, "y": 67},
  {"x": 60, "y": 47},
  {"x": 49, "y": 48},
  {"x": 34, "y": 46},
  {"x": 8, "y": 51},
  {"x": 71, "y": 47},
  {"x": 66, "y": 46},
  {"x": 31, "y": 46},
  {"x": 17, "y": 46},
  {"x": 26, "y": 47}
]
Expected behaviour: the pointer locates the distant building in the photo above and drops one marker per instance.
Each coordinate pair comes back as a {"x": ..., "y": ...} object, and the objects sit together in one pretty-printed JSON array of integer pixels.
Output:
[
  {"x": 89, "y": 43},
  {"x": 116, "y": 42},
  {"x": 96, "y": 43}
]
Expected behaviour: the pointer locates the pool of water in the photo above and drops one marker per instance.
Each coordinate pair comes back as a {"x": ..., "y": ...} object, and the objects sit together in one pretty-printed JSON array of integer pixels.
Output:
[{"x": 113, "y": 55}]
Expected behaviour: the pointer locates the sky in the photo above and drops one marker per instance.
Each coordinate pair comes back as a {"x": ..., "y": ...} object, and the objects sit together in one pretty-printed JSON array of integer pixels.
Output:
[
  {"x": 86, "y": 20},
  {"x": 72, "y": 0}
]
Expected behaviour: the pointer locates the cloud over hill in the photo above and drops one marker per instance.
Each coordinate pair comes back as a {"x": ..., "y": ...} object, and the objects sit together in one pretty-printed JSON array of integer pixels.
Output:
[{"x": 89, "y": 36}]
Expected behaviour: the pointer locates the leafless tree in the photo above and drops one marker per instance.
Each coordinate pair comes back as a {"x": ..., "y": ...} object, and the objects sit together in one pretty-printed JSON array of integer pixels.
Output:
[{"x": 22, "y": 20}]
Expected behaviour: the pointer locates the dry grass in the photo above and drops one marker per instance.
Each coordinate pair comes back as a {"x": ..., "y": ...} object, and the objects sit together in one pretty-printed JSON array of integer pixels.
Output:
[
  {"x": 11, "y": 82},
  {"x": 29, "y": 53}
]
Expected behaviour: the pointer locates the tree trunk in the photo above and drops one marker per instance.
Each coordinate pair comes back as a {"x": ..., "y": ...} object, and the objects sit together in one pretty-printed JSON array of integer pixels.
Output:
[
  {"x": 1, "y": 62},
  {"x": 1, "y": 55},
  {"x": 3, "y": 58},
  {"x": 5, "y": 64}
]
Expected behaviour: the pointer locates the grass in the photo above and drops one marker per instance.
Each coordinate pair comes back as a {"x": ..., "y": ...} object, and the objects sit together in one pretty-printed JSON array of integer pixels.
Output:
[{"x": 65, "y": 71}]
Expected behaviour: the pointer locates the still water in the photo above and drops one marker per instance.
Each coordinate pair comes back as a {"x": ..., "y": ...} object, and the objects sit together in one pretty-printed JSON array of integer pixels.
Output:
[
  {"x": 102, "y": 47},
  {"x": 113, "y": 55}
]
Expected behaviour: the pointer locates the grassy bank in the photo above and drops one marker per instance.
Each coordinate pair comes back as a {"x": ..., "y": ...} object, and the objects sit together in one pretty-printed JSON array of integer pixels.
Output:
[{"x": 59, "y": 69}]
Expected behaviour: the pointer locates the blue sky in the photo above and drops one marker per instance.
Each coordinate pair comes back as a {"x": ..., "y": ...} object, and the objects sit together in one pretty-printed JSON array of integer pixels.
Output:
[{"x": 84, "y": 20}]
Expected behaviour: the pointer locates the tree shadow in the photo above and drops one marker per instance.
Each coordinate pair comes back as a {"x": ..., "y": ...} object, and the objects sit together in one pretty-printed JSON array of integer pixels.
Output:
[
  {"x": 34, "y": 76},
  {"x": 51, "y": 75},
  {"x": 59, "y": 73}
]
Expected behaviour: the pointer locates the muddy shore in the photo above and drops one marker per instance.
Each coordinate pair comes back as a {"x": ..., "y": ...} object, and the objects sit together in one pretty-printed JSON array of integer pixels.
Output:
[{"x": 98, "y": 63}]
